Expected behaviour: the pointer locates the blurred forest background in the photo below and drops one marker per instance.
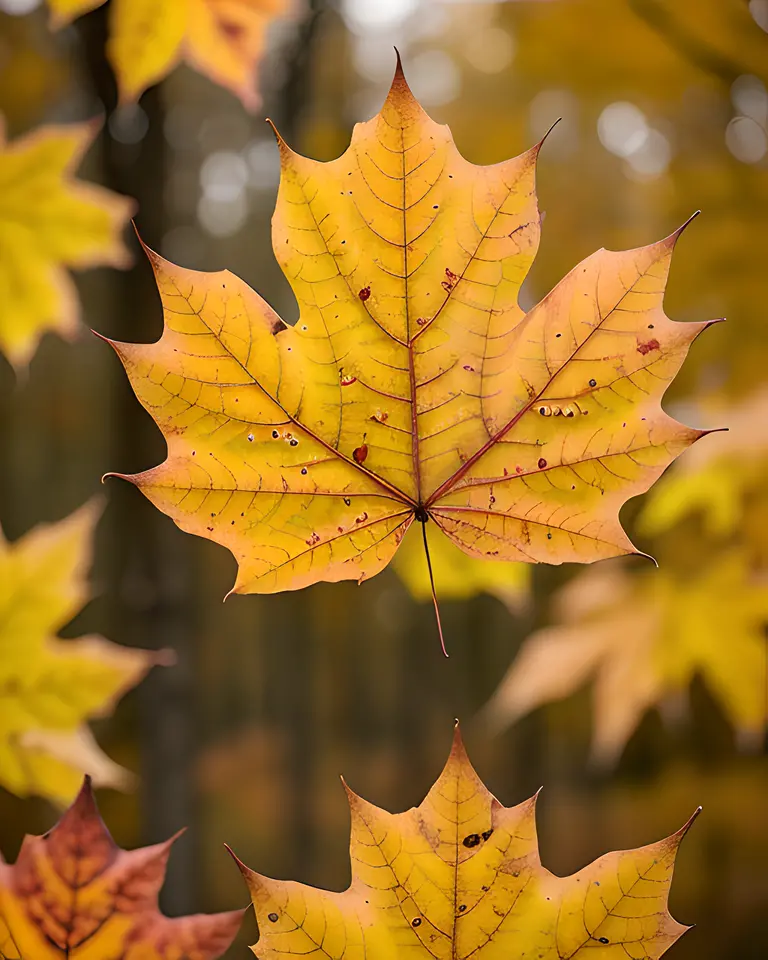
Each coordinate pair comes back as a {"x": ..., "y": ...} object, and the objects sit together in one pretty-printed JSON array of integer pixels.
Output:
[{"x": 664, "y": 111}]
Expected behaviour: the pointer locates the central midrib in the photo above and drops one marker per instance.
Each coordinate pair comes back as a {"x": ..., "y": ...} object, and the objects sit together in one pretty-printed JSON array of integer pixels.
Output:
[{"x": 409, "y": 339}]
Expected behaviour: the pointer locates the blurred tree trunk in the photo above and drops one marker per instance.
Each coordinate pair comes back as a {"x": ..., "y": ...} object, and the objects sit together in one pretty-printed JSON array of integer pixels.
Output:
[{"x": 150, "y": 580}]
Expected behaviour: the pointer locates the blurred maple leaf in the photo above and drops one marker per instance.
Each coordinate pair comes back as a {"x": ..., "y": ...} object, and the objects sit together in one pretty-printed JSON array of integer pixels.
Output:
[
  {"x": 223, "y": 39},
  {"x": 459, "y": 575},
  {"x": 74, "y": 893},
  {"x": 642, "y": 639},
  {"x": 461, "y": 876},
  {"x": 413, "y": 386},
  {"x": 714, "y": 479},
  {"x": 50, "y": 687},
  {"x": 50, "y": 221}
]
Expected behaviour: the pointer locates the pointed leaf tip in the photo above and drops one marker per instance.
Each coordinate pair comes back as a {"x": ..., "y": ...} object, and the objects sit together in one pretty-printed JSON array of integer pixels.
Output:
[{"x": 675, "y": 235}]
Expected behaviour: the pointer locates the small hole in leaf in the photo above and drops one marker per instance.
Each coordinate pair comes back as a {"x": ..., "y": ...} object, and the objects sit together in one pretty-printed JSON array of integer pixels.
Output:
[
  {"x": 604, "y": 940},
  {"x": 462, "y": 908},
  {"x": 304, "y": 471},
  {"x": 272, "y": 917},
  {"x": 593, "y": 383},
  {"x": 275, "y": 434},
  {"x": 416, "y": 922}
]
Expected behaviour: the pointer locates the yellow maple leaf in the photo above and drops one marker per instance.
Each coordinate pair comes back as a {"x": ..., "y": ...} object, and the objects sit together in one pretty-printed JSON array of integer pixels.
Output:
[
  {"x": 73, "y": 893},
  {"x": 459, "y": 877},
  {"x": 8, "y": 950},
  {"x": 50, "y": 687},
  {"x": 642, "y": 640},
  {"x": 223, "y": 39},
  {"x": 459, "y": 575},
  {"x": 714, "y": 478},
  {"x": 412, "y": 386},
  {"x": 49, "y": 221}
]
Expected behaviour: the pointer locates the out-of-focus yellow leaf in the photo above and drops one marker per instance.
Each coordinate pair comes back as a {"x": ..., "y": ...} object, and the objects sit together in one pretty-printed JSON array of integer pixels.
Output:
[
  {"x": 73, "y": 893},
  {"x": 459, "y": 575},
  {"x": 50, "y": 687},
  {"x": 50, "y": 221},
  {"x": 223, "y": 39},
  {"x": 714, "y": 478},
  {"x": 641, "y": 640},
  {"x": 8, "y": 950},
  {"x": 460, "y": 876},
  {"x": 412, "y": 387}
]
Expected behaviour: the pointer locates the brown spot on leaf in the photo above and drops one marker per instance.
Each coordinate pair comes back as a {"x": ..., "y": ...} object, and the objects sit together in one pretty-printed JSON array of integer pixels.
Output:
[
  {"x": 359, "y": 454},
  {"x": 542, "y": 463},
  {"x": 472, "y": 840},
  {"x": 647, "y": 346},
  {"x": 364, "y": 293}
]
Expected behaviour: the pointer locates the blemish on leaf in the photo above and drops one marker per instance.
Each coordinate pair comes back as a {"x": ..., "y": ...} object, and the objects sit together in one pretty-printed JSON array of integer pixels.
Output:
[
  {"x": 347, "y": 501},
  {"x": 364, "y": 293},
  {"x": 250, "y": 438},
  {"x": 542, "y": 463},
  {"x": 472, "y": 840},
  {"x": 272, "y": 917},
  {"x": 462, "y": 908},
  {"x": 416, "y": 922},
  {"x": 346, "y": 379},
  {"x": 545, "y": 410},
  {"x": 469, "y": 368},
  {"x": 647, "y": 346},
  {"x": 275, "y": 434},
  {"x": 293, "y": 442},
  {"x": 421, "y": 321},
  {"x": 487, "y": 834},
  {"x": 381, "y": 416},
  {"x": 593, "y": 383},
  {"x": 603, "y": 939},
  {"x": 362, "y": 518},
  {"x": 304, "y": 471},
  {"x": 359, "y": 454}
]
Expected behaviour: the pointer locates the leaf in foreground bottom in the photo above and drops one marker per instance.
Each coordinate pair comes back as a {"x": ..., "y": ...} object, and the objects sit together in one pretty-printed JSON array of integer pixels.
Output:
[
  {"x": 460, "y": 877},
  {"x": 74, "y": 894},
  {"x": 412, "y": 386}
]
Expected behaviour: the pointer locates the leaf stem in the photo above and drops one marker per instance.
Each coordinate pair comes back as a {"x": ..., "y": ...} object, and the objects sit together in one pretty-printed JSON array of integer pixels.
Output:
[{"x": 432, "y": 585}]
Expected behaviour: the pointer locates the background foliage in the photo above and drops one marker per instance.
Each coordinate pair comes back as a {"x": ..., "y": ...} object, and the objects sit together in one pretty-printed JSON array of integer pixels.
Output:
[{"x": 665, "y": 111}]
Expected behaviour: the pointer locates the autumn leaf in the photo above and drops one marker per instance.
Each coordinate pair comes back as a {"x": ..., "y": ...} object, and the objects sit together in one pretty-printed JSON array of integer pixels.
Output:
[
  {"x": 412, "y": 385},
  {"x": 460, "y": 876},
  {"x": 641, "y": 640},
  {"x": 50, "y": 221},
  {"x": 714, "y": 479},
  {"x": 8, "y": 949},
  {"x": 50, "y": 687},
  {"x": 459, "y": 575},
  {"x": 223, "y": 39},
  {"x": 74, "y": 893}
]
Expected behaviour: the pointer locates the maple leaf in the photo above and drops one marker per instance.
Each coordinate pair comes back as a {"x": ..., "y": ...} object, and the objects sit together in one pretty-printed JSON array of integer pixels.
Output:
[
  {"x": 713, "y": 479},
  {"x": 49, "y": 686},
  {"x": 460, "y": 876},
  {"x": 74, "y": 893},
  {"x": 642, "y": 640},
  {"x": 459, "y": 575},
  {"x": 412, "y": 385},
  {"x": 50, "y": 221},
  {"x": 223, "y": 39}
]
